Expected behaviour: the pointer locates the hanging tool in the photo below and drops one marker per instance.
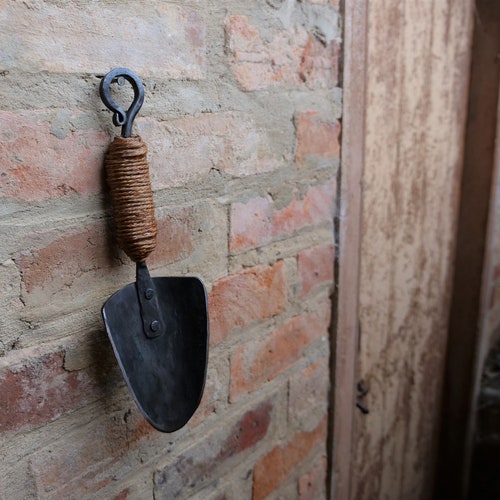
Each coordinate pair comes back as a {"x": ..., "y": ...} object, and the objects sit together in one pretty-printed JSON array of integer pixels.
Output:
[{"x": 158, "y": 327}]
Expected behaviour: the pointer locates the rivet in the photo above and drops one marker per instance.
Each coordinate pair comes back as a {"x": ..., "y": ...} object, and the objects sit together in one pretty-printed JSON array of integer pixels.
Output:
[
  {"x": 148, "y": 293},
  {"x": 154, "y": 326}
]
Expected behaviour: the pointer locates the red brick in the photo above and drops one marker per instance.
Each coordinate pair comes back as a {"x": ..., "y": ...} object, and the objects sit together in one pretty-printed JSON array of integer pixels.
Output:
[
  {"x": 308, "y": 394},
  {"x": 313, "y": 484},
  {"x": 258, "y": 222},
  {"x": 38, "y": 165},
  {"x": 82, "y": 462},
  {"x": 186, "y": 149},
  {"x": 319, "y": 63},
  {"x": 197, "y": 466},
  {"x": 317, "y": 140},
  {"x": 292, "y": 58},
  {"x": 59, "y": 266},
  {"x": 175, "y": 240},
  {"x": 251, "y": 295},
  {"x": 314, "y": 208},
  {"x": 259, "y": 361},
  {"x": 315, "y": 266},
  {"x": 251, "y": 224},
  {"x": 274, "y": 468},
  {"x": 64, "y": 259},
  {"x": 37, "y": 389},
  {"x": 86, "y": 41}
]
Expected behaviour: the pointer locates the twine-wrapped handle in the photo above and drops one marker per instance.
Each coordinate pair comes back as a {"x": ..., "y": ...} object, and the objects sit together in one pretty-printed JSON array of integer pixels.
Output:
[{"x": 127, "y": 174}]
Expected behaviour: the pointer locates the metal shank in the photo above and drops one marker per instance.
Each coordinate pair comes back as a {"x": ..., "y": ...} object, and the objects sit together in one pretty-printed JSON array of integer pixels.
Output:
[{"x": 152, "y": 322}]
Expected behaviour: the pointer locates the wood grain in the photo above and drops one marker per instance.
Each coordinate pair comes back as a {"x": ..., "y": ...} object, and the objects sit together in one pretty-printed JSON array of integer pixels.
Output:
[{"x": 417, "y": 75}]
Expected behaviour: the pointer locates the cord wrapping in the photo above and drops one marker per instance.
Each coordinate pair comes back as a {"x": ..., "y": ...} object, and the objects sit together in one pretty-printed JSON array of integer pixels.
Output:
[{"x": 127, "y": 175}]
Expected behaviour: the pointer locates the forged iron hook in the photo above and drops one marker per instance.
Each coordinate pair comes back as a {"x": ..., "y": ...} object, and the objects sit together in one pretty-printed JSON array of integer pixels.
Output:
[{"x": 122, "y": 118}]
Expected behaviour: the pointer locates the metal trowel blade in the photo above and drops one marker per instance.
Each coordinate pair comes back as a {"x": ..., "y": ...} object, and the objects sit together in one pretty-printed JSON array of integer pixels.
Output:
[{"x": 165, "y": 374}]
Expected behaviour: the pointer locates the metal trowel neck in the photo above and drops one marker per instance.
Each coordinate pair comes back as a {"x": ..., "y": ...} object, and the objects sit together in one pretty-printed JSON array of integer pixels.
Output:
[{"x": 152, "y": 321}]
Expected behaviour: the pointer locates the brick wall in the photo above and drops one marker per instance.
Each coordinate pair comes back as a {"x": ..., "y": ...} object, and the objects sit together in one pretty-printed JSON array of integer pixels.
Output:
[{"x": 241, "y": 117}]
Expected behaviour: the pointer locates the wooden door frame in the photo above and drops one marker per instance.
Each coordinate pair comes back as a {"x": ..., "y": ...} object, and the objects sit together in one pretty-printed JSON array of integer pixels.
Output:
[
  {"x": 346, "y": 303},
  {"x": 348, "y": 228}
]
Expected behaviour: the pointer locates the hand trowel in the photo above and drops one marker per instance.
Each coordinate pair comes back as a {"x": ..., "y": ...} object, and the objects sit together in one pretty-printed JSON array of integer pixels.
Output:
[{"x": 158, "y": 326}]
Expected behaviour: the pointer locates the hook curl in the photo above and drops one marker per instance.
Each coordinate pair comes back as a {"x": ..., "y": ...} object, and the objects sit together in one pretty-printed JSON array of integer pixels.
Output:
[{"x": 122, "y": 118}]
